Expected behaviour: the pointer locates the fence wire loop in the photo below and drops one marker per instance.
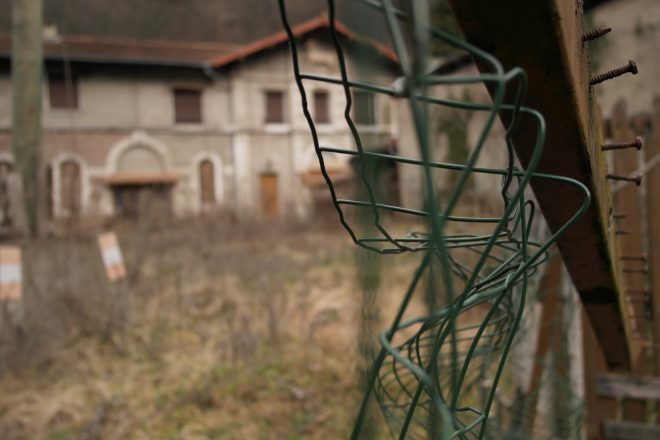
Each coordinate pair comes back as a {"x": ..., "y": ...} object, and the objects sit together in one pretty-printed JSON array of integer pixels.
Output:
[{"x": 436, "y": 375}]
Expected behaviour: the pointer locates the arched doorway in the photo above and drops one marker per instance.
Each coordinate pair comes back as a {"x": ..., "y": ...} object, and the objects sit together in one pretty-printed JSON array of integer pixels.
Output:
[{"x": 141, "y": 187}]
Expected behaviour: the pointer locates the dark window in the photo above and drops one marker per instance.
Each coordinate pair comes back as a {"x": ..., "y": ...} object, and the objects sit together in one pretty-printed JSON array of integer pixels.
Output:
[
  {"x": 363, "y": 108},
  {"x": 62, "y": 91},
  {"x": 321, "y": 106},
  {"x": 274, "y": 107},
  {"x": 187, "y": 106}
]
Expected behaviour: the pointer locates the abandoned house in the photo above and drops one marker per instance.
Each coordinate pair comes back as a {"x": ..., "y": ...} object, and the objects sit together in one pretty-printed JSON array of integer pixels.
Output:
[
  {"x": 187, "y": 119},
  {"x": 188, "y": 126}
]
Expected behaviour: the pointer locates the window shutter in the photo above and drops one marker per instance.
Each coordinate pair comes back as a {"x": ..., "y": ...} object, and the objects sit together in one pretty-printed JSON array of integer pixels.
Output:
[
  {"x": 363, "y": 108},
  {"x": 187, "y": 106},
  {"x": 63, "y": 91},
  {"x": 321, "y": 107},
  {"x": 274, "y": 107}
]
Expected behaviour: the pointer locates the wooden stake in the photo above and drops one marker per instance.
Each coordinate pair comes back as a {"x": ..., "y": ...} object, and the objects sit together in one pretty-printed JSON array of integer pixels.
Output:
[{"x": 27, "y": 74}]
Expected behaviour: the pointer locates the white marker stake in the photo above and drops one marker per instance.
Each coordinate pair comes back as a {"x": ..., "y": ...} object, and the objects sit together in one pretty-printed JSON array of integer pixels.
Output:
[
  {"x": 11, "y": 273},
  {"x": 111, "y": 254}
]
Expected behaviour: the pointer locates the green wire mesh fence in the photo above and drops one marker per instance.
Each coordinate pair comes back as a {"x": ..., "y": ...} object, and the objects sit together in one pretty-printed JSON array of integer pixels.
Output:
[
  {"x": 436, "y": 376},
  {"x": 543, "y": 401}
]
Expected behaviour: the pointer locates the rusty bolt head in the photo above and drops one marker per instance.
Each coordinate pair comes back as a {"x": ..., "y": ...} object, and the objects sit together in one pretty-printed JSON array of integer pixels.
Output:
[{"x": 632, "y": 66}]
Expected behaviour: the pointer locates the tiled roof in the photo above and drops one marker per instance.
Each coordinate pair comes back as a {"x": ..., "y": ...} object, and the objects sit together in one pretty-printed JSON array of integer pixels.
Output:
[{"x": 320, "y": 22}]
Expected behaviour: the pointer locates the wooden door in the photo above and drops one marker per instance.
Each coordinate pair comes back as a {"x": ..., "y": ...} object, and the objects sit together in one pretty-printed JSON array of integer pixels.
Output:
[
  {"x": 49, "y": 192},
  {"x": 127, "y": 200},
  {"x": 5, "y": 211},
  {"x": 269, "y": 195},
  {"x": 153, "y": 201},
  {"x": 207, "y": 182},
  {"x": 70, "y": 189}
]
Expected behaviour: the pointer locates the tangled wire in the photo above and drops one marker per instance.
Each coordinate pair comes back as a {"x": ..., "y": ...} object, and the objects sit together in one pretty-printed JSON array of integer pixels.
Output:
[{"x": 436, "y": 375}]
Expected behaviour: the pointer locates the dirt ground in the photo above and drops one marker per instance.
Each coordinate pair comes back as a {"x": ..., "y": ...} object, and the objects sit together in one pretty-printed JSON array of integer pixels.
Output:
[{"x": 221, "y": 332}]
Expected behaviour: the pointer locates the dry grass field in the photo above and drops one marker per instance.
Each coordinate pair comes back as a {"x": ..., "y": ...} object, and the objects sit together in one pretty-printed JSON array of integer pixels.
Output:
[{"x": 221, "y": 332}]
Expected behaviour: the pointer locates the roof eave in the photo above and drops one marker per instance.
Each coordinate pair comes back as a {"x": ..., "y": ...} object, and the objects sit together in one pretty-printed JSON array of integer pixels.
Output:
[
  {"x": 90, "y": 59},
  {"x": 281, "y": 37}
]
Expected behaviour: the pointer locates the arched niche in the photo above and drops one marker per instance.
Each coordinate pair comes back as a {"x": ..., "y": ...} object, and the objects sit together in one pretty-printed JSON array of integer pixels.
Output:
[{"x": 140, "y": 159}]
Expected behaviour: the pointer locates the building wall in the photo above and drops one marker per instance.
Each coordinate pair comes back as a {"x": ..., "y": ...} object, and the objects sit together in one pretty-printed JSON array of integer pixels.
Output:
[
  {"x": 123, "y": 108},
  {"x": 119, "y": 109},
  {"x": 287, "y": 149},
  {"x": 482, "y": 188}
]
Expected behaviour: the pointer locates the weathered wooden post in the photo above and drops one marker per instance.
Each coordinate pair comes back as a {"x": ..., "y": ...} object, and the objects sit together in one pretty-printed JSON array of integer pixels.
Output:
[{"x": 27, "y": 73}]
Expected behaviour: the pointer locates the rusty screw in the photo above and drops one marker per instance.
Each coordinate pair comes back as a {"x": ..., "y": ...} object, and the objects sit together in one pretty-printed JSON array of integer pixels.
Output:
[
  {"x": 596, "y": 33},
  {"x": 630, "y": 67},
  {"x": 637, "y": 179},
  {"x": 638, "y": 143}
]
